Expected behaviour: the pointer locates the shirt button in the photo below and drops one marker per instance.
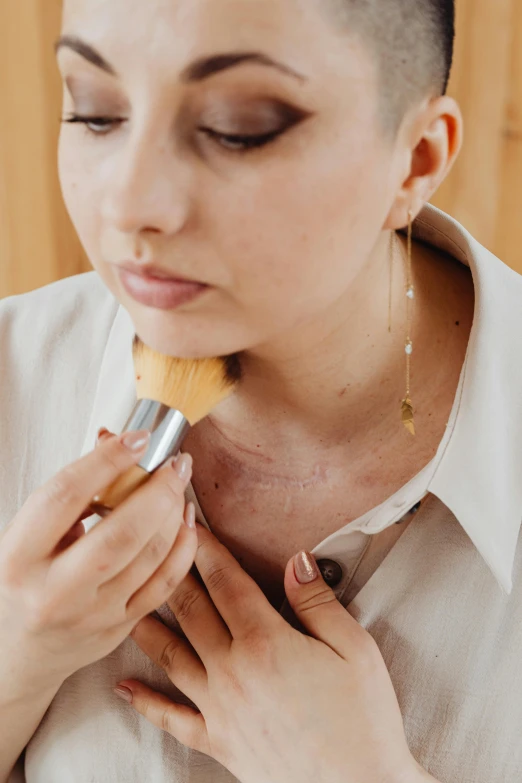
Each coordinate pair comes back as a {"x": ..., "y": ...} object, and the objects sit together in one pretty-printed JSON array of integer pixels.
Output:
[
  {"x": 331, "y": 572},
  {"x": 413, "y": 510}
]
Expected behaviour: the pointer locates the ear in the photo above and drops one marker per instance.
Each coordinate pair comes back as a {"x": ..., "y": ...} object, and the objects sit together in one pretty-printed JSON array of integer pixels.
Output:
[{"x": 428, "y": 144}]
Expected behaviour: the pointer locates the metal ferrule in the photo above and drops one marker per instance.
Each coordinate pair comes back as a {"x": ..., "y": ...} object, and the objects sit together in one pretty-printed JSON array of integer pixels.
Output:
[{"x": 168, "y": 428}]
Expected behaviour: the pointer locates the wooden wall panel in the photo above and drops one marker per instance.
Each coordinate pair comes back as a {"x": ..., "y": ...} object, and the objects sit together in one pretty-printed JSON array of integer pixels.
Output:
[
  {"x": 38, "y": 243},
  {"x": 508, "y": 240},
  {"x": 480, "y": 84},
  {"x": 484, "y": 189}
]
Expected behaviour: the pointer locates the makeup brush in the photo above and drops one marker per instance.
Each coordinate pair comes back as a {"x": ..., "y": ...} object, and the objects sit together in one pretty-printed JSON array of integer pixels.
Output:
[{"x": 173, "y": 395}]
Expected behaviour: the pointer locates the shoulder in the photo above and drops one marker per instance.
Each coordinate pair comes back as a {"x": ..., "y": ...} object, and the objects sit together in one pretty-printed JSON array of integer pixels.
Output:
[
  {"x": 498, "y": 287},
  {"x": 53, "y": 317},
  {"x": 52, "y": 344}
]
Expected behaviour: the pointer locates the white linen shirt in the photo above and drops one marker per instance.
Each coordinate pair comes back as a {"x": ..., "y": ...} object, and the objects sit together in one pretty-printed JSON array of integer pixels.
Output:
[{"x": 444, "y": 603}]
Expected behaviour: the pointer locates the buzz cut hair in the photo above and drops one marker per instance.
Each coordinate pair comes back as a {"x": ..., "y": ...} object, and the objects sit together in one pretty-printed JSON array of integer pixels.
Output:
[{"x": 413, "y": 42}]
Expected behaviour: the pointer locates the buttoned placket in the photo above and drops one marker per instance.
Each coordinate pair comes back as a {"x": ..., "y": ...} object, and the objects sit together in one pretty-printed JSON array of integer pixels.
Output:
[{"x": 339, "y": 568}]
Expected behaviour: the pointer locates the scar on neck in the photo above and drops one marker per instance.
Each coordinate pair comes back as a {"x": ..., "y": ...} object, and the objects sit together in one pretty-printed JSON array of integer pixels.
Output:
[
  {"x": 255, "y": 469},
  {"x": 267, "y": 478},
  {"x": 238, "y": 447}
]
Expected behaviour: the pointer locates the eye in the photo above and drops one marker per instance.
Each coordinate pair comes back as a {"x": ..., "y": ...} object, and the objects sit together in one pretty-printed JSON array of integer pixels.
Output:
[
  {"x": 240, "y": 142},
  {"x": 99, "y": 126}
]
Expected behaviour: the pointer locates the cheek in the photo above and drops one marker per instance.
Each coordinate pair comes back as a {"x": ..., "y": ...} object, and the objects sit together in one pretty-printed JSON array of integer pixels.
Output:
[
  {"x": 296, "y": 234},
  {"x": 80, "y": 191}
]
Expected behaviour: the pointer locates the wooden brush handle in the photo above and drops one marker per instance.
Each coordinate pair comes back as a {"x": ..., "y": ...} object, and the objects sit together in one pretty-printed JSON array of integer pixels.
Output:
[{"x": 119, "y": 490}]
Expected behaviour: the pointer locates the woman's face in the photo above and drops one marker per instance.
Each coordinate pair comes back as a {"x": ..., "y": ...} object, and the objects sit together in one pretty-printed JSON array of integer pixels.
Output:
[{"x": 277, "y": 224}]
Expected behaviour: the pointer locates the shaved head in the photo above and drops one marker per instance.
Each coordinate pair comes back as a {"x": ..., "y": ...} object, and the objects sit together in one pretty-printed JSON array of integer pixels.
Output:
[{"x": 413, "y": 42}]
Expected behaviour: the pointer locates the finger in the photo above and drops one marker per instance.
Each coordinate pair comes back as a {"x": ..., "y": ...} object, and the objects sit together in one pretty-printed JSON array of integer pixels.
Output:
[
  {"x": 178, "y": 720},
  {"x": 152, "y": 577},
  {"x": 120, "y": 536},
  {"x": 240, "y": 602},
  {"x": 316, "y": 607},
  {"x": 103, "y": 434},
  {"x": 199, "y": 620},
  {"x": 174, "y": 655},
  {"x": 85, "y": 515},
  {"x": 53, "y": 508},
  {"x": 76, "y": 532}
]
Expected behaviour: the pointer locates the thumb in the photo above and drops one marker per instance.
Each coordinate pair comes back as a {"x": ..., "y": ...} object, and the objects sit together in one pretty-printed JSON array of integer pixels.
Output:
[{"x": 316, "y": 607}]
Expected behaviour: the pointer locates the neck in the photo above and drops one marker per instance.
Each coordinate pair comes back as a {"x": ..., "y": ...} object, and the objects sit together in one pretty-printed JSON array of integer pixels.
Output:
[{"x": 340, "y": 377}]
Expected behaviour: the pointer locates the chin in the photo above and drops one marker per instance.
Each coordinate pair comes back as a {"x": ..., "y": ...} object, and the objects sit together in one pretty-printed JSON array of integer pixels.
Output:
[{"x": 186, "y": 338}]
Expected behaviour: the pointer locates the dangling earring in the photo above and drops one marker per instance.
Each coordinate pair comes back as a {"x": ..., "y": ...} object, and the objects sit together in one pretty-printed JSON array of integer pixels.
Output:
[{"x": 406, "y": 405}]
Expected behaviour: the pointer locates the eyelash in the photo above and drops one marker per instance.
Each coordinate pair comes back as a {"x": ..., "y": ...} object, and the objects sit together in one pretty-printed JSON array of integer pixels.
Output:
[{"x": 231, "y": 142}]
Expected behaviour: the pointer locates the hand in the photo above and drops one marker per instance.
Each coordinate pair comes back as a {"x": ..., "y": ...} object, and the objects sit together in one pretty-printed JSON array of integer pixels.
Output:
[
  {"x": 68, "y": 598},
  {"x": 276, "y": 705}
]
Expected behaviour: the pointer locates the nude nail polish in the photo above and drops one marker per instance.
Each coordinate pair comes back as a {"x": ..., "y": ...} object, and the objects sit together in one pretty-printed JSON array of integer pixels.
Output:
[
  {"x": 135, "y": 441},
  {"x": 183, "y": 467},
  {"x": 305, "y": 567}
]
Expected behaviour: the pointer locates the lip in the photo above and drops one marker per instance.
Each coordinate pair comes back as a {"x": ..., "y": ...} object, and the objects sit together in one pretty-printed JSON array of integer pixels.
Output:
[
  {"x": 164, "y": 294},
  {"x": 151, "y": 270}
]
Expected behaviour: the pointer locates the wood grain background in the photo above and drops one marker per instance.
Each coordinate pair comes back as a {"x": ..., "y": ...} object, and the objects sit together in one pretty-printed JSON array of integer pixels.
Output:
[{"x": 38, "y": 243}]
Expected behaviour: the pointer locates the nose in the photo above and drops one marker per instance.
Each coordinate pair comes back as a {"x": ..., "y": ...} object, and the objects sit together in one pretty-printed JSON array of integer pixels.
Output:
[{"x": 147, "y": 190}]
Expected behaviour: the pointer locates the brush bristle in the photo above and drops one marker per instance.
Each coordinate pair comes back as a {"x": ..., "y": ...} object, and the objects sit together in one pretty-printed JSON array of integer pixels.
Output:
[{"x": 192, "y": 386}]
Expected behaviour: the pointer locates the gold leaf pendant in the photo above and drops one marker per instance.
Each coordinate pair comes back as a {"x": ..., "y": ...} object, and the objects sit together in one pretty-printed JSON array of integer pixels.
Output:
[{"x": 407, "y": 415}]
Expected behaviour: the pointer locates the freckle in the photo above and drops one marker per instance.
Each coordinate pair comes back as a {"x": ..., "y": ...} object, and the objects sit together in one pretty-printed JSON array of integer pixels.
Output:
[{"x": 216, "y": 485}]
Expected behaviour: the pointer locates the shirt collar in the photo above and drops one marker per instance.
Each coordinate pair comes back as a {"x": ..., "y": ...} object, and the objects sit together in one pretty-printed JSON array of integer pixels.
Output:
[{"x": 477, "y": 473}]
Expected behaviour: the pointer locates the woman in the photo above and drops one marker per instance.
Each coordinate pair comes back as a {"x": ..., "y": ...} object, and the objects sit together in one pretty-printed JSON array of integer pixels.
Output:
[{"x": 361, "y": 615}]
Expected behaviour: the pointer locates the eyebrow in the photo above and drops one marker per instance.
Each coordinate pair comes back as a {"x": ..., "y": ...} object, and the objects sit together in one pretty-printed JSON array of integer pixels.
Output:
[
  {"x": 195, "y": 72},
  {"x": 85, "y": 50}
]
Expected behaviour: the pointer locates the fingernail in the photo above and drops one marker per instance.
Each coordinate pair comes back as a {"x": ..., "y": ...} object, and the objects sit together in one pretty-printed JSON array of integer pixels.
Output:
[
  {"x": 190, "y": 515},
  {"x": 183, "y": 467},
  {"x": 102, "y": 433},
  {"x": 305, "y": 567},
  {"x": 135, "y": 440},
  {"x": 123, "y": 693}
]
